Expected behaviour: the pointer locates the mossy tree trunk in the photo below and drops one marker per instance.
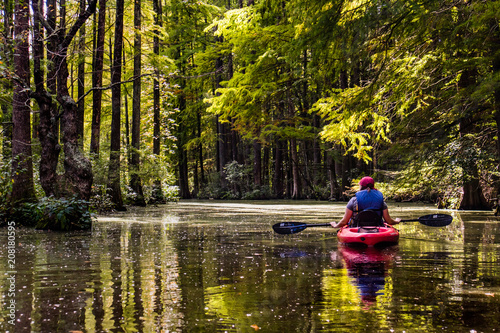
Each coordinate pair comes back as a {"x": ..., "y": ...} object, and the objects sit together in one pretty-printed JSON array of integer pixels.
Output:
[{"x": 22, "y": 166}]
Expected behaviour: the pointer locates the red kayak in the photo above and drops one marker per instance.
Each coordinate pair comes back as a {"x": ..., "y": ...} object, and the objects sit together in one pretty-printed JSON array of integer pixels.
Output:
[{"x": 369, "y": 236}]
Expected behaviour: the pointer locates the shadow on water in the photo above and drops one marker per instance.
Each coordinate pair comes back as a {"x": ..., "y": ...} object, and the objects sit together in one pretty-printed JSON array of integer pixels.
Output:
[{"x": 218, "y": 266}]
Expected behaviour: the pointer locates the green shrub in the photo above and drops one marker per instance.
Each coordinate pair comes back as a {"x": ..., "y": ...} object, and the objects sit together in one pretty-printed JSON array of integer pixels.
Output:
[
  {"x": 51, "y": 213},
  {"x": 213, "y": 188},
  {"x": 100, "y": 199},
  {"x": 5, "y": 189},
  {"x": 259, "y": 193}
]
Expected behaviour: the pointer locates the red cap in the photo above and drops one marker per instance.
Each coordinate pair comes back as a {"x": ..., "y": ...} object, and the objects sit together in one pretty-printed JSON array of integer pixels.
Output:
[{"x": 365, "y": 181}]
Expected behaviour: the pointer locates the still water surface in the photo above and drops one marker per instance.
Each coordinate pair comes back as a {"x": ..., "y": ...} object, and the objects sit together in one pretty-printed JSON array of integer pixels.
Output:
[{"x": 207, "y": 266}]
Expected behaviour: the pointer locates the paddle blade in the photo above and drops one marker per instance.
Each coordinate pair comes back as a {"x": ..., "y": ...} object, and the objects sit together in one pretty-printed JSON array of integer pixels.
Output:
[
  {"x": 288, "y": 228},
  {"x": 436, "y": 220}
]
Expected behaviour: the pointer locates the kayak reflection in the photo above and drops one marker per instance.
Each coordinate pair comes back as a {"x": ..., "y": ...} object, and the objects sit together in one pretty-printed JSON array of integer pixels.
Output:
[{"x": 368, "y": 267}]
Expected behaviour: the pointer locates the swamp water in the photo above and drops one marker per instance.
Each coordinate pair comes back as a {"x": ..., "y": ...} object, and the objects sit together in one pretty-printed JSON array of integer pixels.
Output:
[{"x": 208, "y": 266}]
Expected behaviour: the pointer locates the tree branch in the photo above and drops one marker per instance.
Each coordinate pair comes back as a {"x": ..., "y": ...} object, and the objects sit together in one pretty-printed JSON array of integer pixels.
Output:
[{"x": 82, "y": 18}]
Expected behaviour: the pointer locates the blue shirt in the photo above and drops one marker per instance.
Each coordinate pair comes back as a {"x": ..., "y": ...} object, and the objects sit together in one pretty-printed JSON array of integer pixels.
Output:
[{"x": 353, "y": 205}]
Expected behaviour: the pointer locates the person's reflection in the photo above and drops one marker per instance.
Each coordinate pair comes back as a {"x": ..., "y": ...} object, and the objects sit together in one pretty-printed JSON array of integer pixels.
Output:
[{"x": 368, "y": 267}]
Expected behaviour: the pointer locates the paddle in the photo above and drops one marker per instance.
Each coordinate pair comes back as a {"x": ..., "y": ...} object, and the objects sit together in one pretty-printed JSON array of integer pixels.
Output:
[
  {"x": 432, "y": 220},
  {"x": 287, "y": 228}
]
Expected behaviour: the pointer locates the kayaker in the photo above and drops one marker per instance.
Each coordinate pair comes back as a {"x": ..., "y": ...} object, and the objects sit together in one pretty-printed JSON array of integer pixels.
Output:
[{"x": 368, "y": 197}]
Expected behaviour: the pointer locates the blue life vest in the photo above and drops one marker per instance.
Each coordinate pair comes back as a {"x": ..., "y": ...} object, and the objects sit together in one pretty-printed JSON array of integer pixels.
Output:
[{"x": 372, "y": 199}]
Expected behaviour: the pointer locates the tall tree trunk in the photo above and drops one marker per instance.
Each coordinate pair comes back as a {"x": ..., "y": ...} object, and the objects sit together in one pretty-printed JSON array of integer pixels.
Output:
[
  {"x": 473, "y": 197},
  {"x": 183, "y": 156},
  {"x": 222, "y": 128},
  {"x": 200, "y": 151},
  {"x": 278, "y": 170},
  {"x": 98, "y": 65},
  {"x": 317, "y": 173},
  {"x": 184, "y": 192},
  {"x": 78, "y": 175},
  {"x": 346, "y": 175},
  {"x": 81, "y": 80},
  {"x": 51, "y": 46},
  {"x": 346, "y": 165},
  {"x": 257, "y": 163},
  {"x": 496, "y": 71},
  {"x": 332, "y": 176},
  {"x": 47, "y": 128},
  {"x": 22, "y": 166},
  {"x": 6, "y": 107},
  {"x": 288, "y": 172},
  {"x": 157, "y": 193},
  {"x": 116, "y": 74},
  {"x": 78, "y": 169},
  {"x": 135, "y": 179},
  {"x": 265, "y": 165},
  {"x": 296, "y": 190}
]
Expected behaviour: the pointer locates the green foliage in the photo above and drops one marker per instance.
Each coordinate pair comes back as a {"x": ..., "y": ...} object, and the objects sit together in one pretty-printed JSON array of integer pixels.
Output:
[
  {"x": 51, "y": 213},
  {"x": 5, "y": 189},
  {"x": 213, "y": 188},
  {"x": 100, "y": 200},
  {"x": 387, "y": 82},
  {"x": 239, "y": 185},
  {"x": 153, "y": 168},
  {"x": 169, "y": 193},
  {"x": 238, "y": 177}
]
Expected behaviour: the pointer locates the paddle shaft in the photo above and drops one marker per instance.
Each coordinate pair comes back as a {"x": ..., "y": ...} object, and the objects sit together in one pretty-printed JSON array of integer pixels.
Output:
[{"x": 319, "y": 225}]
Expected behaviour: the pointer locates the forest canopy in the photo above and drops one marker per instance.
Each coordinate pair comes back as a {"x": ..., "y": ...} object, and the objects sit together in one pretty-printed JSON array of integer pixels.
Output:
[{"x": 109, "y": 103}]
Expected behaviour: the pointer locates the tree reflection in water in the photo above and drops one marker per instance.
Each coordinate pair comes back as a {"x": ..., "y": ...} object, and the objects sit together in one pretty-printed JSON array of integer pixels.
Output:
[{"x": 216, "y": 267}]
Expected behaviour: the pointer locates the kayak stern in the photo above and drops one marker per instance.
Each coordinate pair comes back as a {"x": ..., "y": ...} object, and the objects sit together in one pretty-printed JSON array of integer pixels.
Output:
[{"x": 369, "y": 236}]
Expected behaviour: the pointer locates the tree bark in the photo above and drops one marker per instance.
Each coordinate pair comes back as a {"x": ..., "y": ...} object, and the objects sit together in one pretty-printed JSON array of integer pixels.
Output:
[
  {"x": 296, "y": 190},
  {"x": 257, "y": 163},
  {"x": 346, "y": 175},
  {"x": 200, "y": 151},
  {"x": 22, "y": 164},
  {"x": 184, "y": 192},
  {"x": 98, "y": 65},
  {"x": 346, "y": 165},
  {"x": 48, "y": 116},
  {"x": 81, "y": 80},
  {"x": 496, "y": 71},
  {"x": 6, "y": 108},
  {"x": 78, "y": 175},
  {"x": 332, "y": 177},
  {"x": 135, "y": 179},
  {"x": 51, "y": 46},
  {"x": 265, "y": 165},
  {"x": 157, "y": 193},
  {"x": 278, "y": 170},
  {"x": 116, "y": 74},
  {"x": 473, "y": 197}
]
